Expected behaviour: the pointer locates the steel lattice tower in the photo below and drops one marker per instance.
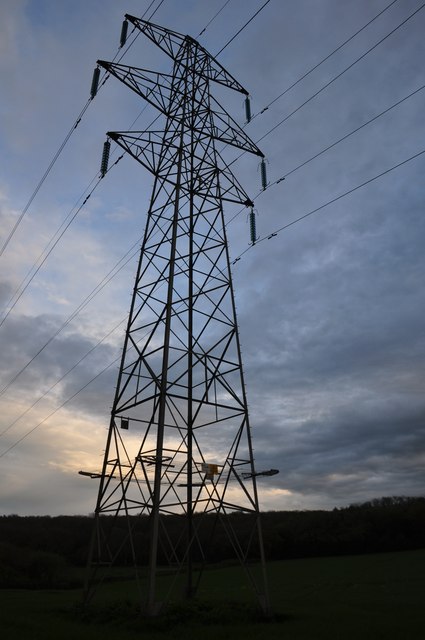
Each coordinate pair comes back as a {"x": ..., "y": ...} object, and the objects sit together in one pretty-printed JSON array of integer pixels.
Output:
[{"x": 179, "y": 440}]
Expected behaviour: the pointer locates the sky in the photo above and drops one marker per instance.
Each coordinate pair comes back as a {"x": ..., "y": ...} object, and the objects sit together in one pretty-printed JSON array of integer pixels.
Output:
[{"x": 330, "y": 309}]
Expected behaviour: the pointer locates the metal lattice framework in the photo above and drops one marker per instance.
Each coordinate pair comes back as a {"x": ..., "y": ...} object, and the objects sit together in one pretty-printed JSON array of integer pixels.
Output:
[{"x": 179, "y": 440}]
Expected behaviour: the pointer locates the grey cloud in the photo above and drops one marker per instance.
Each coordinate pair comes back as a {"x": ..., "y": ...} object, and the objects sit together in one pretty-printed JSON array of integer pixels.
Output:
[{"x": 23, "y": 338}]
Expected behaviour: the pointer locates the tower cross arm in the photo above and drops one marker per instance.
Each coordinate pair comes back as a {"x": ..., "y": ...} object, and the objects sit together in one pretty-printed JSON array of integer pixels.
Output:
[
  {"x": 157, "y": 88},
  {"x": 148, "y": 146},
  {"x": 153, "y": 86},
  {"x": 227, "y": 130},
  {"x": 171, "y": 41}
]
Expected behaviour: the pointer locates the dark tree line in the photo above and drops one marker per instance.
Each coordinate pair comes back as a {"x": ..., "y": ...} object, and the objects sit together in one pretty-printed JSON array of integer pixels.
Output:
[{"x": 35, "y": 550}]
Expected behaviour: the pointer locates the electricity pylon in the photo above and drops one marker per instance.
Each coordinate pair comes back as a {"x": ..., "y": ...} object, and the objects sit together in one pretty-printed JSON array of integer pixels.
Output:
[{"x": 179, "y": 439}]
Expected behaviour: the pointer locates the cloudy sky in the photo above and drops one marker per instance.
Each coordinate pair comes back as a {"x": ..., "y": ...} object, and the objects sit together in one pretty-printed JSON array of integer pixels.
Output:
[{"x": 330, "y": 308}]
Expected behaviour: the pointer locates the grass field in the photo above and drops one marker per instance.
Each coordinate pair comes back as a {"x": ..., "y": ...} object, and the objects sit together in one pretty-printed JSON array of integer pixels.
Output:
[{"x": 369, "y": 597}]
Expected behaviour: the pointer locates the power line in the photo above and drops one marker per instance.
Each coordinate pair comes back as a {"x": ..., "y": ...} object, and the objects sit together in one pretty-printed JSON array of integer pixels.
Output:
[
  {"x": 57, "y": 236},
  {"x": 153, "y": 13},
  {"x": 82, "y": 305},
  {"x": 316, "y": 66},
  {"x": 63, "y": 377},
  {"x": 86, "y": 301},
  {"x": 59, "y": 408},
  {"x": 109, "y": 276},
  {"x": 62, "y": 146},
  {"x": 331, "y": 146},
  {"x": 332, "y": 201},
  {"x": 106, "y": 280},
  {"x": 348, "y": 135},
  {"x": 44, "y": 177},
  {"x": 213, "y": 18},
  {"x": 242, "y": 28},
  {"x": 325, "y": 86},
  {"x": 75, "y": 394},
  {"x": 47, "y": 254},
  {"x": 153, "y": 2}
]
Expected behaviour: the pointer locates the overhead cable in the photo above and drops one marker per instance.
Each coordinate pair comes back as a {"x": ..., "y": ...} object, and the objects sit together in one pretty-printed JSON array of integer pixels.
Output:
[
  {"x": 58, "y": 408},
  {"x": 348, "y": 135},
  {"x": 325, "y": 86},
  {"x": 316, "y": 66},
  {"x": 112, "y": 273},
  {"x": 242, "y": 28},
  {"x": 330, "y": 146},
  {"x": 153, "y": 12},
  {"x": 42, "y": 258},
  {"x": 213, "y": 18},
  {"x": 57, "y": 236},
  {"x": 44, "y": 177},
  {"x": 63, "y": 145},
  {"x": 332, "y": 201},
  {"x": 350, "y": 66},
  {"x": 106, "y": 280},
  {"x": 28, "y": 409}
]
